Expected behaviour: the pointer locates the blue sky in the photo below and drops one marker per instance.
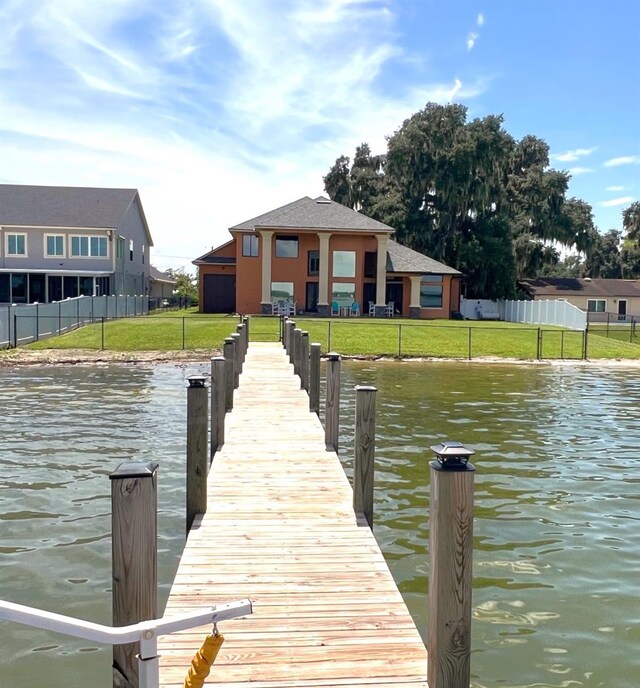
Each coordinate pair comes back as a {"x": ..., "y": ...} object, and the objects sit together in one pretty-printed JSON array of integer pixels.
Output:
[{"x": 218, "y": 110}]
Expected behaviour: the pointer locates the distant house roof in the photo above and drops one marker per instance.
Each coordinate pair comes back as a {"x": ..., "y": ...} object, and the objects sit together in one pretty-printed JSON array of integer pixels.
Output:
[
  {"x": 567, "y": 286},
  {"x": 66, "y": 206},
  {"x": 404, "y": 259},
  {"x": 313, "y": 213},
  {"x": 210, "y": 257},
  {"x": 157, "y": 276}
]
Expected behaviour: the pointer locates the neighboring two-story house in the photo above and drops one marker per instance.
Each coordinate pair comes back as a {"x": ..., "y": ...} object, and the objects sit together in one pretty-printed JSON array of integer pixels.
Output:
[
  {"x": 320, "y": 255},
  {"x": 61, "y": 242}
]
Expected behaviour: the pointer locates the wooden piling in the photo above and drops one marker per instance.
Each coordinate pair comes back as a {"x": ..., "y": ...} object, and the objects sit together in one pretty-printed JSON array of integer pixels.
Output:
[
  {"x": 304, "y": 361},
  {"x": 241, "y": 348},
  {"x": 450, "y": 576},
  {"x": 314, "y": 378},
  {"x": 364, "y": 459},
  {"x": 229, "y": 367},
  {"x": 332, "y": 402},
  {"x": 197, "y": 460},
  {"x": 292, "y": 342},
  {"x": 297, "y": 350},
  {"x": 134, "y": 535},
  {"x": 218, "y": 405},
  {"x": 246, "y": 320},
  {"x": 237, "y": 360}
]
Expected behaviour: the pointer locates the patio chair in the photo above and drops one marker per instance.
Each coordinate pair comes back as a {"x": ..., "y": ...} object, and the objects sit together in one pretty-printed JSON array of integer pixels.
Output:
[
  {"x": 335, "y": 308},
  {"x": 355, "y": 309},
  {"x": 389, "y": 309},
  {"x": 372, "y": 309},
  {"x": 291, "y": 308}
]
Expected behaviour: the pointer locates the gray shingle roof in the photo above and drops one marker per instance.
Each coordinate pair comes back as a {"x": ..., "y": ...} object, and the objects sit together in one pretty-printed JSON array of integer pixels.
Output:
[
  {"x": 159, "y": 276},
  {"x": 404, "y": 259},
  {"x": 63, "y": 206},
  {"x": 569, "y": 286},
  {"x": 314, "y": 213}
]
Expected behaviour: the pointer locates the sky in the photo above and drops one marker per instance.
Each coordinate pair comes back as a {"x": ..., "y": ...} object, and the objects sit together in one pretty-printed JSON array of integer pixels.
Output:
[{"x": 220, "y": 110}]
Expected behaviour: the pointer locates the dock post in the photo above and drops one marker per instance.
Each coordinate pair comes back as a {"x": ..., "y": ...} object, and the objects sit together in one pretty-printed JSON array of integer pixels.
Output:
[
  {"x": 314, "y": 378},
  {"x": 134, "y": 547},
  {"x": 218, "y": 405},
  {"x": 240, "y": 350},
  {"x": 297, "y": 350},
  {"x": 229, "y": 367},
  {"x": 304, "y": 361},
  {"x": 284, "y": 324},
  {"x": 197, "y": 461},
  {"x": 237, "y": 359},
  {"x": 450, "y": 567},
  {"x": 364, "y": 447},
  {"x": 292, "y": 340},
  {"x": 247, "y": 329},
  {"x": 332, "y": 402}
]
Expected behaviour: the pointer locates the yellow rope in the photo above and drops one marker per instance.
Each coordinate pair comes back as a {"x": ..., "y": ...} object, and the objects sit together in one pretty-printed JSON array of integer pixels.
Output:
[{"x": 202, "y": 661}]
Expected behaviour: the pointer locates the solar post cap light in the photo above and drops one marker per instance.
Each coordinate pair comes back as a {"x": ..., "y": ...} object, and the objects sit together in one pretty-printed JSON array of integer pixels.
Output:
[{"x": 452, "y": 456}]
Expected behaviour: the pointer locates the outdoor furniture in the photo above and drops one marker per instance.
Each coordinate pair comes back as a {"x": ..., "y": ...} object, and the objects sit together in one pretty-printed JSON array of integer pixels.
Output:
[
  {"x": 389, "y": 309},
  {"x": 355, "y": 310},
  {"x": 335, "y": 308},
  {"x": 372, "y": 309}
]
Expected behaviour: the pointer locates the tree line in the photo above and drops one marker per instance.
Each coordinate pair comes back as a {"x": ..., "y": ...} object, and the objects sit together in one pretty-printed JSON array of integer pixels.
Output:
[{"x": 469, "y": 194}]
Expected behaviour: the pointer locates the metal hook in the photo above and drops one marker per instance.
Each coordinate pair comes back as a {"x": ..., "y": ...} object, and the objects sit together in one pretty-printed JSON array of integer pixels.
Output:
[{"x": 216, "y": 632}]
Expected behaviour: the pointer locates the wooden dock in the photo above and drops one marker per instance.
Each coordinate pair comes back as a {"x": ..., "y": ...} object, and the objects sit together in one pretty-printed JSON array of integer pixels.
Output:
[{"x": 280, "y": 530}]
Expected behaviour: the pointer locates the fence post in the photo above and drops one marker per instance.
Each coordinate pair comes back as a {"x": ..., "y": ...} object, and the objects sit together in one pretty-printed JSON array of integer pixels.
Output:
[
  {"x": 585, "y": 343},
  {"x": 37, "y": 322},
  {"x": 539, "y": 347},
  {"x": 399, "y": 340},
  {"x": 332, "y": 402},
  {"x": 183, "y": 331},
  {"x": 59, "y": 317},
  {"x": 237, "y": 360},
  {"x": 15, "y": 331},
  {"x": 134, "y": 556},
  {"x": 197, "y": 460},
  {"x": 292, "y": 342},
  {"x": 229, "y": 368},
  {"x": 450, "y": 567},
  {"x": 314, "y": 378},
  {"x": 102, "y": 335},
  {"x": 561, "y": 343},
  {"x": 469, "y": 343},
  {"x": 364, "y": 446},
  {"x": 329, "y": 336},
  {"x": 304, "y": 361},
  {"x": 218, "y": 391},
  {"x": 297, "y": 350}
]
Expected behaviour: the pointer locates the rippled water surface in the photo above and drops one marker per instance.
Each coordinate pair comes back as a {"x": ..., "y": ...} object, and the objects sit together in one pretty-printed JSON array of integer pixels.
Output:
[{"x": 557, "y": 536}]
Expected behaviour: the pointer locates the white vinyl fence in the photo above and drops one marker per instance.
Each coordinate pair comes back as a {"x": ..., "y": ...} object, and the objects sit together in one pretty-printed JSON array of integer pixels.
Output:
[
  {"x": 22, "y": 324},
  {"x": 548, "y": 312}
]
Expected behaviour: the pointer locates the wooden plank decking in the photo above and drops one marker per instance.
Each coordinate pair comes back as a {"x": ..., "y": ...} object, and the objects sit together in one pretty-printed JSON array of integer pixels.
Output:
[{"x": 280, "y": 530}]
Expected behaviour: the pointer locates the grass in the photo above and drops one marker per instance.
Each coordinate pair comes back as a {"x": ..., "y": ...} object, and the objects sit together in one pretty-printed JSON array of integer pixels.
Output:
[{"x": 175, "y": 330}]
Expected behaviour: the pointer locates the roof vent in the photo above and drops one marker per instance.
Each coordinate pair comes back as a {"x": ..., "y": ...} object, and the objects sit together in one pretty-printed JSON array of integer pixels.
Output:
[{"x": 322, "y": 199}]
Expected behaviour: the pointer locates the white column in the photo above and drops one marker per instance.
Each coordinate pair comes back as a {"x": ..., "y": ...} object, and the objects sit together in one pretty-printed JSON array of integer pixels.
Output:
[
  {"x": 323, "y": 278},
  {"x": 415, "y": 291},
  {"x": 381, "y": 273},
  {"x": 266, "y": 266}
]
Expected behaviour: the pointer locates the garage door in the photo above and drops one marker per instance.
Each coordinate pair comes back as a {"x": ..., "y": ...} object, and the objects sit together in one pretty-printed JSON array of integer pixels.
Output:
[{"x": 219, "y": 294}]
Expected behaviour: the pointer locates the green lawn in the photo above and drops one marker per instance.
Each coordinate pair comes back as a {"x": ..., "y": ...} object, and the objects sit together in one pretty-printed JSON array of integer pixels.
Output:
[{"x": 176, "y": 330}]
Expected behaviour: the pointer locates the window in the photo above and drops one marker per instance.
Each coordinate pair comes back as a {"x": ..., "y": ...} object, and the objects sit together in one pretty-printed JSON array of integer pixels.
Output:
[
  {"x": 55, "y": 288},
  {"x": 142, "y": 252},
  {"x": 343, "y": 293},
  {"x": 18, "y": 287},
  {"x": 286, "y": 246},
  {"x": 596, "y": 305},
  {"x": 54, "y": 245},
  {"x": 281, "y": 290},
  {"x": 431, "y": 291},
  {"x": 370, "y": 264},
  {"x": 130, "y": 249},
  {"x": 313, "y": 262},
  {"x": 120, "y": 248},
  {"x": 70, "y": 285},
  {"x": 16, "y": 245},
  {"x": 86, "y": 286},
  {"x": 84, "y": 247},
  {"x": 344, "y": 263},
  {"x": 250, "y": 245},
  {"x": 102, "y": 286},
  {"x": 5, "y": 291}
]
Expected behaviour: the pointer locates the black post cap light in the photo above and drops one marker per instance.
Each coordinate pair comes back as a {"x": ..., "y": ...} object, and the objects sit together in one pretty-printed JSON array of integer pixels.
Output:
[{"x": 452, "y": 456}]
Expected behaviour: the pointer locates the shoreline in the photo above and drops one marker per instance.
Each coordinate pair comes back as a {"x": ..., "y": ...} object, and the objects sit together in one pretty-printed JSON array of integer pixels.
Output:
[{"x": 46, "y": 357}]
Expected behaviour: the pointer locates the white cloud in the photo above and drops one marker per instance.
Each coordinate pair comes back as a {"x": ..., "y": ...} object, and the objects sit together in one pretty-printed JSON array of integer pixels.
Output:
[
  {"x": 623, "y": 160},
  {"x": 623, "y": 200},
  {"x": 615, "y": 188},
  {"x": 471, "y": 40},
  {"x": 580, "y": 170},
  {"x": 573, "y": 155},
  {"x": 480, "y": 19}
]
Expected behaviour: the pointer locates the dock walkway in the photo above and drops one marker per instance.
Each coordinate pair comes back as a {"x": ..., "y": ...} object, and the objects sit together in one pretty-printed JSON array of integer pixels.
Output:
[{"x": 280, "y": 530}]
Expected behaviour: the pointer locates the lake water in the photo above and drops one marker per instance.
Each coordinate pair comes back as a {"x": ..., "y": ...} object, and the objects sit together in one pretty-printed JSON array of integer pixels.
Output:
[{"x": 557, "y": 532}]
